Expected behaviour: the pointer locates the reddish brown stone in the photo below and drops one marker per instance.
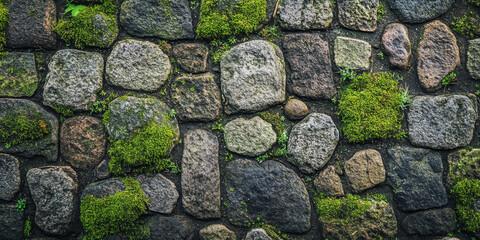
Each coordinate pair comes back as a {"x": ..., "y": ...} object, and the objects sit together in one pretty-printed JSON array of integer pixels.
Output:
[
  {"x": 365, "y": 169},
  {"x": 191, "y": 57},
  {"x": 295, "y": 109},
  {"x": 397, "y": 45},
  {"x": 329, "y": 182}
]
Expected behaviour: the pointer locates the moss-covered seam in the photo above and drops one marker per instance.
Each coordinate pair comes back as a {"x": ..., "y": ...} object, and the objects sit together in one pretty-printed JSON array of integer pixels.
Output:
[{"x": 18, "y": 127}]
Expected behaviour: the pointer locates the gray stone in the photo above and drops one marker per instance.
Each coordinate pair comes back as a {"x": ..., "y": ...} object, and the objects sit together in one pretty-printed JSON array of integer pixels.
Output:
[
  {"x": 12, "y": 222},
  {"x": 107, "y": 30},
  {"x": 73, "y": 79},
  {"x": 252, "y": 137},
  {"x": 415, "y": 11},
  {"x": 217, "y": 232},
  {"x": 103, "y": 189},
  {"x": 442, "y": 122},
  {"x": 295, "y": 109},
  {"x": 253, "y": 76},
  {"x": 269, "y": 191},
  {"x": 312, "y": 142},
  {"x": 305, "y": 14},
  {"x": 18, "y": 75},
  {"x": 9, "y": 176},
  {"x": 352, "y": 53},
  {"x": 397, "y": 45},
  {"x": 175, "y": 228},
  {"x": 365, "y": 170},
  {"x": 54, "y": 192},
  {"x": 430, "y": 222},
  {"x": 201, "y": 175},
  {"x": 415, "y": 175},
  {"x": 161, "y": 193},
  {"x": 358, "y": 14},
  {"x": 102, "y": 171},
  {"x": 137, "y": 65},
  {"x": 192, "y": 57},
  {"x": 473, "y": 54},
  {"x": 167, "y": 19},
  {"x": 257, "y": 234},
  {"x": 329, "y": 183}
]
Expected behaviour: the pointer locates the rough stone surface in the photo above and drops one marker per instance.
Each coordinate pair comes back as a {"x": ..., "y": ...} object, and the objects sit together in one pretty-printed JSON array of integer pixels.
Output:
[
  {"x": 305, "y": 15},
  {"x": 9, "y": 176},
  {"x": 442, "y": 122},
  {"x": 329, "y": 183},
  {"x": 257, "y": 234},
  {"x": 18, "y": 75},
  {"x": 464, "y": 163},
  {"x": 253, "y": 76},
  {"x": 73, "y": 79},
  {"x": 358, "y": 14},
  {"x": 196, "y": 98},
  {"x": 31, "y": 24},
  {"x": 176, "y": 227},
  {"x": 217, "y": 232},
  {"x": 83, "y": 141},
  {"x": 103, "y": 189},
  {"x": 270, "y": 191},
  {"x": 168, "y": 19},
  {"x": 352, "y": 53},
  {"x": 365, "y": 169},
  {"x": 201, "y": 175},
  {"x": 102, "y": 171},
  {"x": 54, "y": 192},
  {"x": 473, "y": 54},
  {"x": 438, "y": 55},
  {"x": 46, "y": 146},
  {"x": 312, "y": 142},
  {"x": 397, "y": 44},
  {"x": 415, "y": 175},
  {"x": 137, "y": 65},
  {"x": 251, "y": 137},
  {"x": 309, "y": 59},
  {"x": 431, "y": 222},
  {"x": 107, "y": 35},
  {"x": 415, "y": 11},
  {"x": 12, "y": 222},
  {"x": 295, "y": 109},
  {"x": 161, "y": 193},
  {"x": 191, "y": 57}
]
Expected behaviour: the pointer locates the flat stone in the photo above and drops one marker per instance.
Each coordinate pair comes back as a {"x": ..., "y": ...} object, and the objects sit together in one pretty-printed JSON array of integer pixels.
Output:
[
  {"x": 473, "y": 54},
  {"x": 73, "y": 79},
  {"x": 442, "y": 122},
  {"x": 430, "y": 222},
  {"x": 305, "y": 15},
  {"x": 252, "y": 137},
  {"x": 18, "y": 75},
  {"x": 397, "y": 45},
  {"x": 365, "y": 170},
  {"x": 9, "y": 177},
  {"x": 312, "y": 142},
  {"x": 176, "y": 227},
  {"x": 438, "y": 55},
  {"x": 217, "y": 232},
  {"x": 137, "y": 65},
  {"x": 270, "y": 191},
  {"x": 196, "y": 98},
  {"x": 415, "y": 175},
  {"x": 12, "y": 222},
  {"x": 191, "y": 57},
  {"x": 257, "y": 234},
  {"x": 352, "y": 53},
  {"x": 54, "y": 192},
  {"x": 201, "y": 175},
  {"x": 311, "y": 69},
  {"x": 103, "y": 189},
  {"x": 416, "y": 11},
  {"x": 161, "y": 193},
  {"x": 253, "y": 76},
  {"x": 83, "y": 141},
  {"x": 295, "y": 109},
  {"x": 358, "y": 14},
  {"x": 329, "y": 183},
  {"x": 102, "y": 171}
]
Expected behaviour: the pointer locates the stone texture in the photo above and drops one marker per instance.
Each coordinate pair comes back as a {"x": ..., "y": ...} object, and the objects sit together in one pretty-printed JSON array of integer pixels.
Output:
[
  {"x": 9, "y": 176},
  {"x": 415, "y": 11},
  {"x": 270, "y": 191},
  {"x": 365, "y": 170},
  {"x": 18, "y": 75},
  {"x": 431, "y": 222},
  {"x": 201, "y": 175},
  {"x": 442, "y": 122},
  {"x": 217, "y": 232},
  {"x": 397, "y": 45},
  {"x": 464, "y": 163},
  {"x": 473, "y": 54},
  {"x": 11, "y": 222},
  {"x": 295, "y": 109},
  {"x": 329, "y": 183},
  {"x": 257, "y": 234},
  {"x": 103, "y": 189},
  {"x": 73, "y": 79},
  {"x": 253, "y": 76},
  {"x": 83, "y": 141},
  {"x": 102, "y": 171},
  {"x": 415, "y": 175},
  {"x": 168, "y": 19},
  {"x": 438, "y": 55},
  {"x": 161, "y": 193},
  {"x": 305, "y": 15},
  {"x": 31, "y": 24},
  {"x": 352, "y": 53},
  {"x": 54, "y": 192},
  {"x": 358, "y": 14},
  {"x": 196, "y": 98},
  {"x": 251, "y": 137},
  {"x": 175, "y": 228},
  {"x": 312, "y": 142},
  {"x": 191, "y": 57},
  {"x": 137, "y": 65},
  {"x": 309, "y": 59},
  {"x": 106, "y": 35}
]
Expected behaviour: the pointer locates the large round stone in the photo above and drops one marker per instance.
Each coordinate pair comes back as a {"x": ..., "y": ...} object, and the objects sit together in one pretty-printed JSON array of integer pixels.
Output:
[
  {"x": 250, "y": 137},
  {"x": 305, "y": 15},
  {"x": 415, "y": 11},
  {"x": 9, "y": 176}
]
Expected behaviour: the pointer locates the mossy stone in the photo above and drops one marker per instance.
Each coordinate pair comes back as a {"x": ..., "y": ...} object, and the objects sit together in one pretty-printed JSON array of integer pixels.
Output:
[{"x": 18, "y": 75}]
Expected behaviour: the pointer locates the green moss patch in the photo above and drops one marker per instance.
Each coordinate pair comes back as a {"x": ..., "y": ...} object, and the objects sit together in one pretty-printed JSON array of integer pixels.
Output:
[
  {"x": 464, "y": 163},
  {"x": 474, "y": 2},
  {"x": 3, "y": 25},
  {"x": 466, "y": 192},
  {"x": 467, "y": 25},
  {"x": 345, "y": 209},
  {"x": 19, "y": 127}
]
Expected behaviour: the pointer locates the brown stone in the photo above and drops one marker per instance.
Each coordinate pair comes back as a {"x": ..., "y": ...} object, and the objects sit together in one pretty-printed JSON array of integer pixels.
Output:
[
  {"x": 438, "y": 55},
  {"x": 295, "y": 109},
  {"x": 217, "y": 232},
  {"x": 365, "y": 169},
  {"x": 396, "y": 43},
  {"x": 82, "y": 141},
  {"x": 191, "y": 57},
  {"x": 329, "y": 182}
]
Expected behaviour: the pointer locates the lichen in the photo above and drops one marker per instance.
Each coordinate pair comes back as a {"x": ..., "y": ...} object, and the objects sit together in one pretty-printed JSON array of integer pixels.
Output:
[{"x": 22, "y": 126}]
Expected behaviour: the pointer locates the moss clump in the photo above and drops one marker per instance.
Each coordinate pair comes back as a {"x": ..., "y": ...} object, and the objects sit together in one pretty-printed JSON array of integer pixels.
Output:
[
  {"x": 217, "y": 22},
  {"x": 3, "y": 25},
  {"x": 467, "y": 25},
  {"x": 15, "y": 84},
  {"x": 64, "y": 111},
  {"x": 464, "y": 163},
  {"x": 474, "y": 2},
  {"x": 343, "y": 209},
  {"x": 117, "y": 214},
  {"x": 370, "y": 108},
  {"x": 19, "y": 127},
  {"x": 466, "y": 192}
]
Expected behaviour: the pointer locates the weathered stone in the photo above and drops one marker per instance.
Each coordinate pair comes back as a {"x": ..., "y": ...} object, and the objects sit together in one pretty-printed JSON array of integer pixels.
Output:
[
  {"x": 365, "y": 169},
  {"x": 167, "y": 19},
  {"x": 107, "y": 30},
  {"x": 396, "y": 43},
  {"x": 270, "y": 191},
  {"x": 83, "y": 141},
  {"x": 442, "y": 122},
  {"x": 257, "y": 234},
  {"x": 305, "y": 15},
  {"x": 176, "y": 227},
  {"x": 18, "y": 75},
  {"x": 102, "y": 171},
  {"x": 31, "y": 24},
  {"x": 309, "y": 59},
  {"x": 358, "y": 14},
  {"x": 253, "y": 76},
  {"x": 251, "y": 137},
  {"x": 438, "y": 55},
  {"x": 137, "y": 65},
  {"x": 192, "y": 57},
  {"x": 54, "y": 192},
  {"x": 415, "y": 11},
  {"x": 473, "y": 54},
  {"x": 431, "y": 222},
  {"x": 161, "y": 193},
  {"x": 217, "y": 232},
  {"x": 415, "y": 175},
  {"x": 295, "y": 109},
  {"x": 46, "y": 146},
  {"x": 9, "y": 176},
  {"x": 73, "y": 79},
  {"x": 12, "y": 222},
  {"x": 464, "y": 163},
  {"x": 352, "y": 53},
  {"x": 329, "y": 183},
  {"x": 312, "y": 142},
  {"x": 196, "y": 98},
  {"x": 201, "y": 175},
  {"x": 103, "y": 189}
]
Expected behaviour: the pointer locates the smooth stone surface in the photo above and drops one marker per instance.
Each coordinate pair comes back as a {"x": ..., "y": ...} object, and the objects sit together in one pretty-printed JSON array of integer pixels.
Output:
[
  {"x": 192, "y": 57},
  {"x": 352, "y": 53},
  {"x": 249, "y": 137},
  {"x": 305, "y": 15},
  {"x": 103, "y": 189},
  {"x": 358, "y": 14},
  {"x": 473, "y": 54},
  {"x": 365, "y": 170},
  {"x": 9, "y": 176},
  {"x": 329, "y": 183},
  {"x": 416, "y": 11},
  {"x": 176, "y": 228},
  {"x": 18, "y": 75},
  {"x": 161, "y": 193},
  {"x": 396, "y": 43},
  {"x": 295, "y": 109},
  {"x": 430, "y": 222},
  {"x": 217, "y": 232},
  {"x": 11, "y": 222}
]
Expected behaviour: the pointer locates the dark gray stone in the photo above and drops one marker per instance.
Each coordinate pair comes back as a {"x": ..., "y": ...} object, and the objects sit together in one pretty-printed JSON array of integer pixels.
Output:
[
  {"x": 176, "y": 227},
  {"x": 103, "y": 189},
  {"x": 102, "y": 171},
  {"x": 305, "y": 14},
  {"x": 11, "y": 222},
  {"x": 430, "y": 222},
  {"x": 9, "y": 176},
  {"x": 18, "y": 75},
  {"x": 249, "y": 137},
  {"x": 415, "y": 11},
  {"x": 358, "y": 14},
  {"x": 161, "y": 193}
]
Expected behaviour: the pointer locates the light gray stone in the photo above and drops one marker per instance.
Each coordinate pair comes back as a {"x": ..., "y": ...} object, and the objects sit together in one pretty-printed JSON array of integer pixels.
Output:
[
  {"x": 473, "y": 54},
  {"x": 257, "y": 234},
  {"x": 305, "y": 14},
  {"x": 352, "y": 53},
  {"x": 251, "y": 137},
  {"x": 161, "y": 193},
  {"x": 9, "y": 176},
  {"x": 358, "y": 14},
  {"x": 103, "y": 189}
]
